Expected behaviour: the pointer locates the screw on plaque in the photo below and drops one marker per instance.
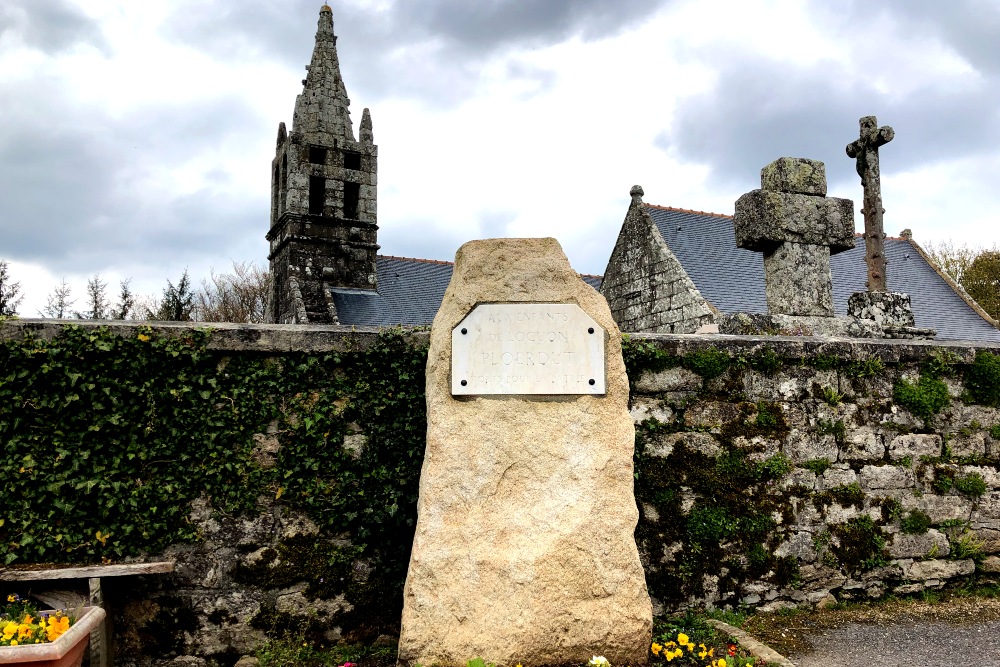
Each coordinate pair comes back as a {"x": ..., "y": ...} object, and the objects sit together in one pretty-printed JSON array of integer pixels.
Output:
[
  {"x": 464, "y": 331},
  {"x": 465, "y": 382},
  {"x": 593, "y": 381},
  {"x": 590, "y": 330}
]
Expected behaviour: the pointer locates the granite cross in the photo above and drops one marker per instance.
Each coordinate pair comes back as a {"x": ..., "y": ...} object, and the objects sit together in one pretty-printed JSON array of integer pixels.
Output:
[{"x": 865, "y": 150}]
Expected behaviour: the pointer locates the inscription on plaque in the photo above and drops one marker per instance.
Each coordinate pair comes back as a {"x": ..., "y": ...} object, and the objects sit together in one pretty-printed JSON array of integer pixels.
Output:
[{"x": 527, "y": 348}]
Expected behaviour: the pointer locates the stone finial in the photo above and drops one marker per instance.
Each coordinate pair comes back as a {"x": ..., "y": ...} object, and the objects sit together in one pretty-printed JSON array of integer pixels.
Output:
[
  {"x": 797, "y": 228},
  {"x": 282, "y": 134},
  {"x": 906, "y": 234},
  {"x": 365, "y": 133},
  {"x": 636, "y": 193},
  {"x": 795, "y": 174}
]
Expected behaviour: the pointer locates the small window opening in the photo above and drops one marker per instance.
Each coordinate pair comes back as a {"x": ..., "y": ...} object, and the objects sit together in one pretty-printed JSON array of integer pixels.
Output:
[
  {"x": 352, "y": 160},
  {"x": 317, "y": 155},
  {"x": 352, "y": 193},
  {"x": 317, "y": 194}
]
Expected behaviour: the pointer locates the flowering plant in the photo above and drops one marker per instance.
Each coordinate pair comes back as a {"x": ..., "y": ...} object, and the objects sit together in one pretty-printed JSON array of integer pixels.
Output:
[
  {"x": 21, "y": 623},
  {"x": 684, "y": 650}
]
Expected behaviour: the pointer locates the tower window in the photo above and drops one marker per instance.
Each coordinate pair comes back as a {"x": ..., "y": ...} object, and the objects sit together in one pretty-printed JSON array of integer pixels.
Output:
[
  {"x": 317, "y": 194},
  {"x": 352, "y": 160},
  {"x": 352, "y": 193},
  {"x": 317, "y": 155}
]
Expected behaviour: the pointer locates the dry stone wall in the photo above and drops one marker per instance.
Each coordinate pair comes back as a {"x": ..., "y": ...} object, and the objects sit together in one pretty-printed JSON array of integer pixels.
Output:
[
  {"x": 771, "y": 471},
  {"x": 780, "y": 472}
]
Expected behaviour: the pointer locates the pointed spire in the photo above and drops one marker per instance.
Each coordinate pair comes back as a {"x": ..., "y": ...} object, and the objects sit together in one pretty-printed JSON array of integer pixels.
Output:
[
  {"x": 366, "y": 135},
  {"x": 282, "y": 134},
  {"x": 323, "y": 106}
]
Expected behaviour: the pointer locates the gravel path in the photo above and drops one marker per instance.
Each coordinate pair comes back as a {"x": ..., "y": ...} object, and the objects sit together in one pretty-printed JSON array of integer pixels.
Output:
[{"x": 906, "y": 641}]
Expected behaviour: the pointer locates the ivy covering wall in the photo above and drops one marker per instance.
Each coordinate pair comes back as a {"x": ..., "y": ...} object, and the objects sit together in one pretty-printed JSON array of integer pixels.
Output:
[{"x": 106, "y": 438}]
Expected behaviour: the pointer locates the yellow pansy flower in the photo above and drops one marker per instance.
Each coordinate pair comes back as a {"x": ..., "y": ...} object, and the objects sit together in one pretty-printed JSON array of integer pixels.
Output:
[
  {"x": 682, "y": 639},
  {"x": 656, "y": 648}
]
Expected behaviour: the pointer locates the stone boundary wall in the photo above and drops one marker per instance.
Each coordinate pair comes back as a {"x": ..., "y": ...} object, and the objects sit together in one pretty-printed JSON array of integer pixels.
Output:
[
  {"x": 859, "y": 496},
  {"x": 771, "y": 471}
]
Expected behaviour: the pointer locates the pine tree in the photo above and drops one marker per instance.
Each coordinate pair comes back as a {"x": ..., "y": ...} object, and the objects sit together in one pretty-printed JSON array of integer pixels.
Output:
[
  {"x": 126, "y": 301},
  {"x": 97, "y": 300},
  {"x": 178, "y": 301},
  {"x": 58, "y": 303},
  {"x": 10, "y": 292}
]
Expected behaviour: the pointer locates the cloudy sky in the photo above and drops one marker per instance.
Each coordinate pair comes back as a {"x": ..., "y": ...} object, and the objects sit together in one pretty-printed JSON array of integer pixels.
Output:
[{"x": 136, "y": 137}]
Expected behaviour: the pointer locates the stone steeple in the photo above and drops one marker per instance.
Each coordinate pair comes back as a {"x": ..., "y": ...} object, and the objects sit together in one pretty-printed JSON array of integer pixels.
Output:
[
  {"x": 322, "y": 109},
  {"x": 323, "y": 235}
]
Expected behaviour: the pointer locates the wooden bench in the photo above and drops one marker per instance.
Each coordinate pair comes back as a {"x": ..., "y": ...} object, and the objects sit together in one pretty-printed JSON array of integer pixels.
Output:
[{"x": 93, "y": 574}]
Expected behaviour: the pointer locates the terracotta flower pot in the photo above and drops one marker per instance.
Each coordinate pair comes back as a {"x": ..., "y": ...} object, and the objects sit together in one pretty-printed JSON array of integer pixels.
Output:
[{"x": 67, "y": 651}]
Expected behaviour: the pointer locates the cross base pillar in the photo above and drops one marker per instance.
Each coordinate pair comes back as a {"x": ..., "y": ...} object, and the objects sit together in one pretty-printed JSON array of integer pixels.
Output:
[{"x": 797, "y": 280}]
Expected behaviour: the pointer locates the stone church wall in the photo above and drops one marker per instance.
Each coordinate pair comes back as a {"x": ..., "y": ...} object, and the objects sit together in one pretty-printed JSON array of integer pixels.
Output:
[{"x": 773, "y": 472}]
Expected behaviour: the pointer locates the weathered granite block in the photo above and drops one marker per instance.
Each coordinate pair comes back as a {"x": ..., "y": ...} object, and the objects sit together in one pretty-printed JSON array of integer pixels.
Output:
[
  {"x": 914, "y": 445},
  {"x": 804, "y": 446},
  {"x": 798, "y": 280},
  {"x": 886, "y": 477},
  {"x": 939, "y": 508},
  {"x": 919, "y": 546},
  {"x": 670, "y": 379},
  {"x": 516, "y": 555},
  {"x": 765, "y": 219},
  {"x": 862, "y": 444},
  {"x": 796, "y": 175},
  {"x": 886, "y": 309},
  {"x": 838, "y": 475},
  {"x": 939, "y": 569}
]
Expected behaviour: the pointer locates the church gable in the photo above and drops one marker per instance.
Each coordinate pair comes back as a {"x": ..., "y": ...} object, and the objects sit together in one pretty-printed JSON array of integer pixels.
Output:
[{"x": 644, "y": 283}]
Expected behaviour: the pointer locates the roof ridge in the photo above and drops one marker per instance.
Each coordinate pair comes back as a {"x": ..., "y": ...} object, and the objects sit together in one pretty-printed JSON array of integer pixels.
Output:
[
  {"x": 418, "y": 259},
  {"x": 687, "y": 210}
]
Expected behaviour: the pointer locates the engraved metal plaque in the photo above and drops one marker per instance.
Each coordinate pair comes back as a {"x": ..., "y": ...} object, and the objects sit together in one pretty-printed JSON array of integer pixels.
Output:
[{"x": 527, "y": 348}]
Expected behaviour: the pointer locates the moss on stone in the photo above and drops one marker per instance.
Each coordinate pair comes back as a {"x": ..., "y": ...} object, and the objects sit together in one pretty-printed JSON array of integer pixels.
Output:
[{"x": 859, "y": 545}]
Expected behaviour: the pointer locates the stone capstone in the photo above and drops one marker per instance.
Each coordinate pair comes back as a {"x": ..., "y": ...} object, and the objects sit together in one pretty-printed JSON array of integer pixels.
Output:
[
  {"x": 524, "y": 548},
  {"x": 796, "y": 175}
]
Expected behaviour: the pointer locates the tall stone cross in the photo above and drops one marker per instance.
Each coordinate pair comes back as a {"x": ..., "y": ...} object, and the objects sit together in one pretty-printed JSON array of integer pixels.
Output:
[{"x": 865, "y": 150}]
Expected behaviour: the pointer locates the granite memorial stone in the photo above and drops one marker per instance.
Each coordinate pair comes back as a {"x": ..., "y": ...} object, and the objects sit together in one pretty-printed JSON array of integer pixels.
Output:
[{"x": 524, "y": 548}]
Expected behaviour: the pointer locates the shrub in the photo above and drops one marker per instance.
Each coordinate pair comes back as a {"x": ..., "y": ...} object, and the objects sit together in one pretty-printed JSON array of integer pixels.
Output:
[
  {"x": 982, "y": 380},
  {"x": 972, "y": 484},
  {"x": 710, "y": 363},
  {"x": 924, "y": 399},
  {"x": 915, "y": 523},
  {"x": 818, "y": 466},
  {"x": 860, "y": 545}
]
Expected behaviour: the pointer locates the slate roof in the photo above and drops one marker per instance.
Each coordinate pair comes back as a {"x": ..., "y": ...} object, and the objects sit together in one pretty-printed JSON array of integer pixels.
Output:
[
  {"x": 409, "y": 293},
  {"x": 732, "y": 279}
]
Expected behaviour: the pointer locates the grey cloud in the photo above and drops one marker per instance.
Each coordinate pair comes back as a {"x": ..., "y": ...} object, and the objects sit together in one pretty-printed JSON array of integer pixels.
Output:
[
  {"x": 970, "y": 27},
  {"x": 66, "y": 198},
  {"x": 50, "y": 25},
  {"x": 759, "y": 111},
  {"x": 427, "y": 49}
]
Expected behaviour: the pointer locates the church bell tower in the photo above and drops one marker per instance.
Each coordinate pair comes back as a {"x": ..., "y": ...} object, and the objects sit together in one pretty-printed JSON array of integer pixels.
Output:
[{"x": 323, "y": 233}]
